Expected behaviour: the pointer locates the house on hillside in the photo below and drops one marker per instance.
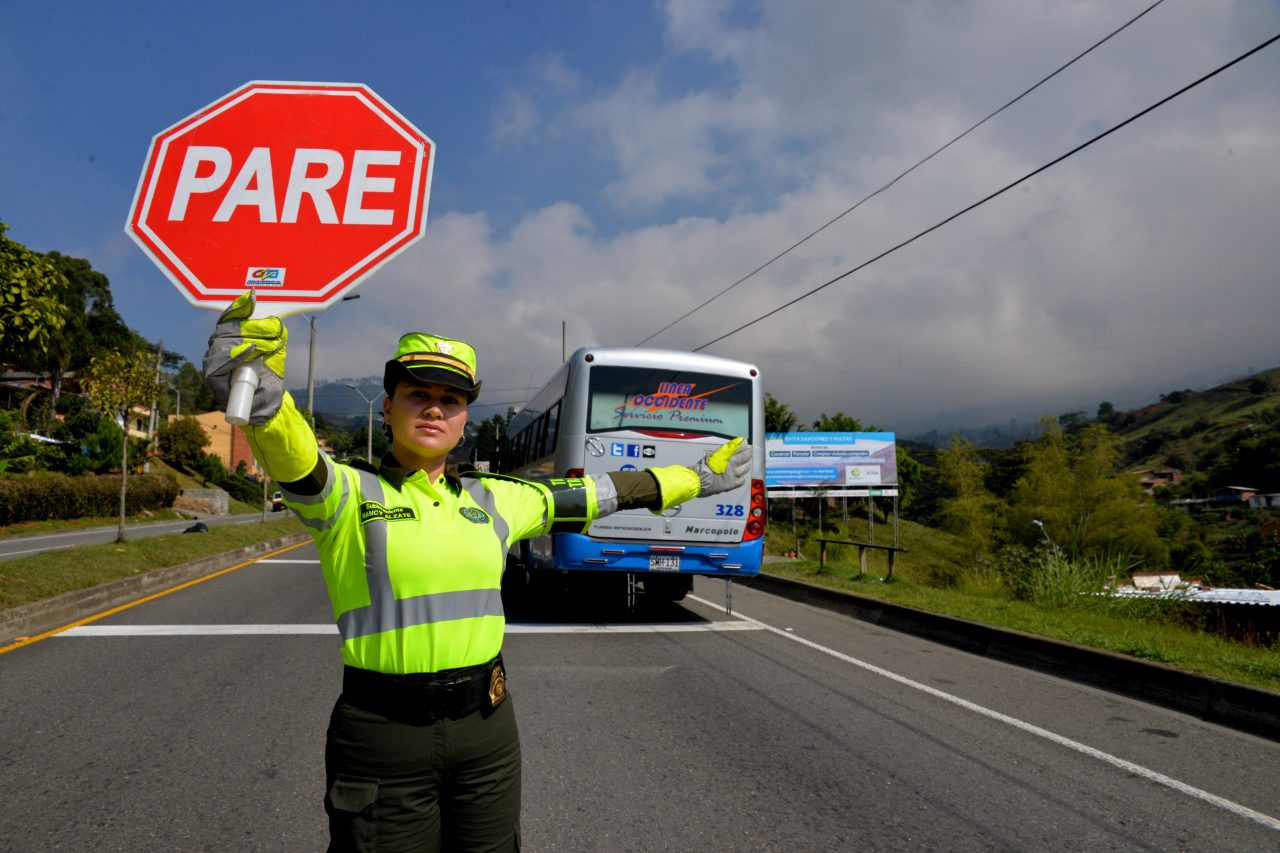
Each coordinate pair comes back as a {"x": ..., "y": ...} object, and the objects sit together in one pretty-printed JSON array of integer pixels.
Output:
[
  {"x": 1153, "y": 478},
  {"x": 1232, "y": 496},
  {"x": 1269, "y": 501},
  {"x": 227, "y": 442},
  {"x": 15, "y": 383},
  {"x": 139, "y": 422}
]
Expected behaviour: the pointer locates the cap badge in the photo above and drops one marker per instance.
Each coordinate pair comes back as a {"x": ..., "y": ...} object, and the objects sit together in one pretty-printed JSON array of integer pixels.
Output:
[{"x": 444, "y": 348}]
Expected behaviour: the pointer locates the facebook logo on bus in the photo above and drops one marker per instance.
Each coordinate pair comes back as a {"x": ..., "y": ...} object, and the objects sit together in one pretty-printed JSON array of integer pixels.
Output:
[{"x": 617, "y": 448}]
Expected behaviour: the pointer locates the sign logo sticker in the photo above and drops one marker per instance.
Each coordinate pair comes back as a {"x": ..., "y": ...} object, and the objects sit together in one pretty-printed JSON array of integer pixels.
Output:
[{"x": 264, "y": 277}]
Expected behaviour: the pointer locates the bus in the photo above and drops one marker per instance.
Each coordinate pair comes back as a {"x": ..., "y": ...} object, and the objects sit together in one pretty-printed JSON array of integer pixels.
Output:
[{"x": 627, "y": 409}]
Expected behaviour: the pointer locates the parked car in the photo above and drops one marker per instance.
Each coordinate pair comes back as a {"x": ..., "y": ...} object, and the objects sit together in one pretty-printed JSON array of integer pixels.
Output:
[{"x": 277, "y": 502}]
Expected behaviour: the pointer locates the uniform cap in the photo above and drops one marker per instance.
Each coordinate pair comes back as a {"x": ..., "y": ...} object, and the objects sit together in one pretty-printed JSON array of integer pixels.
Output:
[{"x": 430, "y": 358}]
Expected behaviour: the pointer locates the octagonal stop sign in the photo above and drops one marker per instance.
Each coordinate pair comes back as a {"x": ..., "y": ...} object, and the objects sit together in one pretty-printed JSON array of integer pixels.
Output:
[{"x": 295, "y": 190}]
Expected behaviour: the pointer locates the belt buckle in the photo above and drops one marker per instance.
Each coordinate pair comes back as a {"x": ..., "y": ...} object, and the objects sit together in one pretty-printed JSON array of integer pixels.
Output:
[{"x": 497, "y": 686}]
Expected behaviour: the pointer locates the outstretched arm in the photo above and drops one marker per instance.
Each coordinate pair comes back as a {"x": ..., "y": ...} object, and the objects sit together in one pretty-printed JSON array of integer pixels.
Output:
[{"x": 658, "y": 489}]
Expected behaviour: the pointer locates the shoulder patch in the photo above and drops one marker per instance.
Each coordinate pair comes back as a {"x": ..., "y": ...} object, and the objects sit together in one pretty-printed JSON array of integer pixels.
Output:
[
  {"x": 369, "y": 511},
  {"x": 474, "y": 514}
]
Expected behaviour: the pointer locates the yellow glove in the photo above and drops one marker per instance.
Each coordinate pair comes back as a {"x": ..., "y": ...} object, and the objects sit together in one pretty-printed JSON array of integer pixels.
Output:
[
  {"x": 237, "y": 340},
  {"x": 719, "y": 471}
]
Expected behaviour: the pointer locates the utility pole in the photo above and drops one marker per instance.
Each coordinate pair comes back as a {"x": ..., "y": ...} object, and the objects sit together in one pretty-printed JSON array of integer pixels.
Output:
[
  {"x": 311, "y": 369},
  {"x": 153, "y": 421}
]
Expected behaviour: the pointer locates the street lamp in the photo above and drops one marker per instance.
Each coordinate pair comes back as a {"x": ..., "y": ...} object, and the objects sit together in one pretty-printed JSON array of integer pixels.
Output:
[
  {"x": 1038, "y": 523},
  {"x": 172, "y": 383},
  {"x": 311, "y": 353},
  {"x": 369, "y": 451}
]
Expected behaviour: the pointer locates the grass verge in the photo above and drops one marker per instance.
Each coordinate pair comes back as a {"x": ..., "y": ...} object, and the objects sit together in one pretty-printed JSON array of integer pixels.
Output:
[
  {"x": 1121, "y": 628},
  {"x": 40, "y": 576}
]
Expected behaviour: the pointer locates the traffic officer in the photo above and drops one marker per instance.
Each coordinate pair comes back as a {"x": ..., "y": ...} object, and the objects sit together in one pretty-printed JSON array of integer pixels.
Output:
[{"x": 422, "y": 751}]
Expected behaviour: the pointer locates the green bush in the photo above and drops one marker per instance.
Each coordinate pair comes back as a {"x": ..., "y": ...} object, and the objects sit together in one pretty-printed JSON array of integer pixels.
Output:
[
  {"x": 17, "y": 452},
  {"x": 1056, "y": 579},
  {"x": 40, "y": 498},
  {"x": 238, "y": 486}
]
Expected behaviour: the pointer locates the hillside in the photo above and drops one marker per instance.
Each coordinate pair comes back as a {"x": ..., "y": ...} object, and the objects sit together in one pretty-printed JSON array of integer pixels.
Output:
[{"x": 1190, "y": 429}]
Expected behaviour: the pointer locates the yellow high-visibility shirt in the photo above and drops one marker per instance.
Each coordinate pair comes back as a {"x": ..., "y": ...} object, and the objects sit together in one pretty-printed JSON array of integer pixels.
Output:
[{"x": 414, "y": 568}]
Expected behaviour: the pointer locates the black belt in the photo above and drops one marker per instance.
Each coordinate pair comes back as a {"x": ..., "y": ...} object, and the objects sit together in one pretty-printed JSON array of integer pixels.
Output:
[{"x": 423, "y": 697}]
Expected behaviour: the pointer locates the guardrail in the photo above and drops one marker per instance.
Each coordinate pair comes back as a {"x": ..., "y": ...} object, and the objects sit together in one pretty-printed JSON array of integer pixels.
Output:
[{"x": 893, "y": 550}]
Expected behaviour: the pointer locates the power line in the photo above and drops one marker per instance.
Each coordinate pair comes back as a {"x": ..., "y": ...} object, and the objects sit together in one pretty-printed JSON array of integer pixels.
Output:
[
  {"x": 938, "y": 151},
  {"x": 998, "y": 192}
]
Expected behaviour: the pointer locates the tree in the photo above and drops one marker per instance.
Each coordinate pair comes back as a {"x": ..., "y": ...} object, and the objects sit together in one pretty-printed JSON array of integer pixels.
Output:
[
  {"x": 910, "y": 476},
  {"x": 92, "y": 324},
  {"x": 31, "y": 308},
  {"x": 839, "y": 422},
  {"x": 182, "y": 441},
  {"x": 117, "y": 382},
  {"x": 1072, "y": 485},
  {"x": 490, "y": 437},
  {"x": 191, "y": 389},
  {"x": 971, "y": 512},
  {"x": 777, "y": 416}
]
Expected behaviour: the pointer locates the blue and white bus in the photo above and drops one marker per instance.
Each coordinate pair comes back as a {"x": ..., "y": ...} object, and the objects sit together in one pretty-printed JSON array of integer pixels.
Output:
[{"x": 624, "y": 409}]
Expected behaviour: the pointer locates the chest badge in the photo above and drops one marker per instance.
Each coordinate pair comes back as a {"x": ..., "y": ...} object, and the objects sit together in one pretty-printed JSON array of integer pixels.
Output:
[{"x": 474, "y": 515}]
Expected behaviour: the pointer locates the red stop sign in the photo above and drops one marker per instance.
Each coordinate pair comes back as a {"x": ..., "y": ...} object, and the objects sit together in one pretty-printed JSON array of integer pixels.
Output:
[{"x": 296, "y": 190}]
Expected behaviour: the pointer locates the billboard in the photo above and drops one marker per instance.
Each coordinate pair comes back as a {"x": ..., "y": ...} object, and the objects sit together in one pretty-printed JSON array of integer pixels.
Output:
[{"x": 852, "y": 463}]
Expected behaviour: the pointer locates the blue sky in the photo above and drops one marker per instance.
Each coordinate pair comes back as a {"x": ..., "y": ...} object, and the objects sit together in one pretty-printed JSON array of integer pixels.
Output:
[{"x": 613, "y": 164}]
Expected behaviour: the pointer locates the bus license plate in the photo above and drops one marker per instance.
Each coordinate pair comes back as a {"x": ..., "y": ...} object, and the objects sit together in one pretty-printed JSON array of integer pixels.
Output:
[{"x": 664, "y": 563}]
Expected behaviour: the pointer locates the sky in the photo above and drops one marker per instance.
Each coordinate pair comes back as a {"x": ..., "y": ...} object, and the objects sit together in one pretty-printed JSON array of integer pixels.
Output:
[{"x": 609, "y": 166}]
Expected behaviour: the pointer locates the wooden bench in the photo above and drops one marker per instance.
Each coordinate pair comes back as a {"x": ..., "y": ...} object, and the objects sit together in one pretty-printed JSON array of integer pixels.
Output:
[{"x": 862, "y": 553}]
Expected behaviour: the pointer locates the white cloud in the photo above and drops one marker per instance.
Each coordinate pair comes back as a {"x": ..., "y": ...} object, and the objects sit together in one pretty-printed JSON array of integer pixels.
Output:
[{"x": 1145, "y": 263}]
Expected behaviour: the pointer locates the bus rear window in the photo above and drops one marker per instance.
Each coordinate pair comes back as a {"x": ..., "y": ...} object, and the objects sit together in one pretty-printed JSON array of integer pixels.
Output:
[{"x": 641, "y": 398}]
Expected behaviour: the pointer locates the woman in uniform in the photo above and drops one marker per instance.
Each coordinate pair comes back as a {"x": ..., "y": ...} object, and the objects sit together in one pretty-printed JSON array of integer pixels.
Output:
[{"x": 422, "y": 751}]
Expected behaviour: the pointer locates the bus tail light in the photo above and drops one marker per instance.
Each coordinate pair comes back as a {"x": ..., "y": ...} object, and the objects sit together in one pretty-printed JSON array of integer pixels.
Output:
[
  {"x": 756, "y": 511},
  {"x": 575, "y": 473}
]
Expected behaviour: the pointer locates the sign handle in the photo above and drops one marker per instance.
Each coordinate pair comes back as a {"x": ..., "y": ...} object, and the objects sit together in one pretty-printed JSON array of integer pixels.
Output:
[
  {"x": 245, "y": 378},
  {"x": 244, "y": 381}
]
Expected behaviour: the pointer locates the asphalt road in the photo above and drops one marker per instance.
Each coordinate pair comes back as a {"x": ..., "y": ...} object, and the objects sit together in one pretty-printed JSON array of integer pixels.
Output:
[
  {"x": 196, "y": 721},
  {"x": 12, "y": 547}
]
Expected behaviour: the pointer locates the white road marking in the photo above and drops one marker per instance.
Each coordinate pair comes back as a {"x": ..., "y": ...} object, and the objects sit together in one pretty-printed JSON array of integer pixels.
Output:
[
  {"x": 512, "y": 628},
  {"x": 37, "y": 550},
  {"x": 194, "y": 630},
  {"x": 1114, "y": 761},
  {"x": 638, "y": 628}
]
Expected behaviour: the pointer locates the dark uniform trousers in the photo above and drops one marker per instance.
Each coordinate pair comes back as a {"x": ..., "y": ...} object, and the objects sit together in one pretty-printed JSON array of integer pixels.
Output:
[{"x": 400, "y": 783}]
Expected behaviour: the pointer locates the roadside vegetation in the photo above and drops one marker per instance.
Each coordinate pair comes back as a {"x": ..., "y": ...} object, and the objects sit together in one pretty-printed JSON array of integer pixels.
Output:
[
  {"x": 40, "y": 576},
  {"x": 1039, "y": 590}
]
